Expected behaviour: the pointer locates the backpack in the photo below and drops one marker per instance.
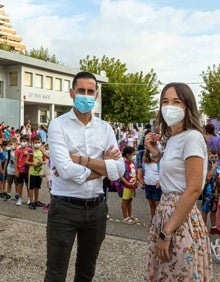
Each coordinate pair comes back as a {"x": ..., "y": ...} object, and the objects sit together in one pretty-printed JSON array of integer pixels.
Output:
[
  {"x": 122, "y": 144},
  {"x": 21, "y": 158},
  {"x": 119, "y": 185}
]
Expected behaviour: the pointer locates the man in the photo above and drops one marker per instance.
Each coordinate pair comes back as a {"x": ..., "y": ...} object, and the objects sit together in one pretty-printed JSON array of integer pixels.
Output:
[{"x": 83, "y": 148}]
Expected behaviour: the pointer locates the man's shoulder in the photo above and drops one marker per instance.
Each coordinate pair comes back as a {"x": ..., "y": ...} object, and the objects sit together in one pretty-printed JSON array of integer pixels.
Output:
[
  {"x": 101, "y": 121},
  {"x": 60, "y": 119}
]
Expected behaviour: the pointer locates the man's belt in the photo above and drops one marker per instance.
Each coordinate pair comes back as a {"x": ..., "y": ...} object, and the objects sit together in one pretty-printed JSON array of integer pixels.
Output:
[{"x": 90, "y": 203}]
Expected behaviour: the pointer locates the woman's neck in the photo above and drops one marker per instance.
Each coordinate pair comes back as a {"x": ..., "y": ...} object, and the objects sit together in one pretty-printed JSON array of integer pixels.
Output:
[{"x": 176, "y": 129}]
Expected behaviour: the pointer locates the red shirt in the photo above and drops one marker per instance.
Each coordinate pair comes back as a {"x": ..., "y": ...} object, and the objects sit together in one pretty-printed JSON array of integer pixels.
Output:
[{"x": 22, "y": 153}]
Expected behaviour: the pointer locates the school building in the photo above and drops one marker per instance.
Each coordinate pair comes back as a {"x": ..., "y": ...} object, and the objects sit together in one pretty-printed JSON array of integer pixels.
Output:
[{"x": 36, "y": 90}]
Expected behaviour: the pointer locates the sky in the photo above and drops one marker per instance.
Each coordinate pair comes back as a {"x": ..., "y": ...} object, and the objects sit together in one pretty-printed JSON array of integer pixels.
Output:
[{"x": 178, "y": 39}]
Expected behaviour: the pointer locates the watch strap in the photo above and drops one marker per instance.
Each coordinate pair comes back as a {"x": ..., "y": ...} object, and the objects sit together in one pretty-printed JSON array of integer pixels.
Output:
[{"x": 163, "y": 236}]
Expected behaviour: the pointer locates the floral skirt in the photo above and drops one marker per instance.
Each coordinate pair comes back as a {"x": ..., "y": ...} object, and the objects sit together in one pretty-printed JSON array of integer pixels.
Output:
[{"x": 191, "y": 258}]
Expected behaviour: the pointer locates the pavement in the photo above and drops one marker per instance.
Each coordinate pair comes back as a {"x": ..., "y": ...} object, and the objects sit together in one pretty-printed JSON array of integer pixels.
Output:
[{"x": 121, "y": 258}]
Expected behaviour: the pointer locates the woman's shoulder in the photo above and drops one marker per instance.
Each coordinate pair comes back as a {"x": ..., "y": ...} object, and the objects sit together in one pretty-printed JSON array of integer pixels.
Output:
[{"x": 193, "y": 133}]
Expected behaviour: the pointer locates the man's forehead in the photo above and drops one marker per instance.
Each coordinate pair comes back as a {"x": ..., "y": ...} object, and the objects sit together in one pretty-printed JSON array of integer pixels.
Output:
[{"x": 88, "y": 82}]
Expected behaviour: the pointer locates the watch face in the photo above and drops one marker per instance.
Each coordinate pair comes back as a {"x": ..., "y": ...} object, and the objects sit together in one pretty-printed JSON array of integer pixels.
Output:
[{"x": 162, "y": 236}]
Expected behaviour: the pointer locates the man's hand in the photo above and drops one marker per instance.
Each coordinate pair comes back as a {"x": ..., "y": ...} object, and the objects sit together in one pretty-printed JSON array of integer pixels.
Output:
[
  {"x": 112, "y": 154},
  {"x": 55, "y": 172}
]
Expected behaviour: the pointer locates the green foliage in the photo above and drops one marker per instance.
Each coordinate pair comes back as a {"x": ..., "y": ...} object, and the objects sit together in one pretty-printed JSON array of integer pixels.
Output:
[
  {"x": 5, "y": 46},
  {"x": 126, "y": 97},
  {"x": 210, "y": 102},
  {"x": 41, "y": 54}
]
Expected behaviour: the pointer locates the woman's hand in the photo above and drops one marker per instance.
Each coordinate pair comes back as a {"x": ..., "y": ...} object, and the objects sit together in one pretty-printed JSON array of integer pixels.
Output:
[
  {"x": 163, "y": 250},
  {"x": 151, "y": 142}
]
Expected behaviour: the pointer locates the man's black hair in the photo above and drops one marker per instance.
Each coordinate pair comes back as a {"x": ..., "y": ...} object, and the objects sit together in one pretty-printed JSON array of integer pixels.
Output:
[{"x": 84, "y": 74}]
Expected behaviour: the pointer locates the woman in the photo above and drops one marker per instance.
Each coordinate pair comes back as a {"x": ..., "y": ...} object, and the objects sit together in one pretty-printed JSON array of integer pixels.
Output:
[{"x": 178, "y": 241}]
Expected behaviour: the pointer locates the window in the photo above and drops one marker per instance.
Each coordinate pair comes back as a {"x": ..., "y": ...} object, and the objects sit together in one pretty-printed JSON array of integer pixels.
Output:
[
  {"x": 49, "y": 82},
  {"x": 58, "y": 84},
  {"x": 66, "y": 85},
  {"x": 28, "y": 79},
  {"x": 39, "y": 81},
  {"x": 43, "y": 116},
  {"x": 13, "y": 78},
  {"x": 59, "y": 113}
]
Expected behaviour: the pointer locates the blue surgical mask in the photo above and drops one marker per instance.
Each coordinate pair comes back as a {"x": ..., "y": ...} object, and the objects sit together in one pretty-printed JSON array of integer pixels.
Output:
[{"x": 84, "y": 103}]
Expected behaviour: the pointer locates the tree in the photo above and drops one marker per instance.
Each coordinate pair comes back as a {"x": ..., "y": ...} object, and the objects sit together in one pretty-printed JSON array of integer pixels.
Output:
[
  {"x": 42, "y": 54},
  {"x": 126, "y": 97},
  {"x": 210, "y": 102}
]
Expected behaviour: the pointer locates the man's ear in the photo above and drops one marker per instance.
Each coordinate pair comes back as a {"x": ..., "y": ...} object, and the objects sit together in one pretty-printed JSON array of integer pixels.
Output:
[
  {"x": 72, "y": 94},
  {"x": 96, "y": 95}
]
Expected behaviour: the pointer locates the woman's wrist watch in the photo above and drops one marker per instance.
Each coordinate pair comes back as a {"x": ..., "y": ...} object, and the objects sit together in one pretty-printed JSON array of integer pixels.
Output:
[{"x": 163, "y": 236}]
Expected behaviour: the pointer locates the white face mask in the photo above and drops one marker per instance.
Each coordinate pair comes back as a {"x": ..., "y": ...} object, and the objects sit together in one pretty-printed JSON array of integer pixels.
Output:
[
  {"x": 23, "y": 144},
  {"x": 172, "y": 114},
  {"x": 37, "y": 145},
  {"x": 133, "y": 158}
]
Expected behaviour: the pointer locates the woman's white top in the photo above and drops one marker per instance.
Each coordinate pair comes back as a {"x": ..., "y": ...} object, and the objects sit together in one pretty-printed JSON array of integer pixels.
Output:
[
  {"x": 172, "y": 165},
  {"x": 151, "y": 173}
]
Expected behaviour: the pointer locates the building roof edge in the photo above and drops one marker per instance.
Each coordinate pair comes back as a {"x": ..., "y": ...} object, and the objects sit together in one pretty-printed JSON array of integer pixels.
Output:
[{"x": 16, "y": 58}]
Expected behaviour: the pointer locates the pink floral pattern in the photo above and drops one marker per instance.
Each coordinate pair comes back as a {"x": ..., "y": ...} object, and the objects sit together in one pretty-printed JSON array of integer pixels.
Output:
[{"x": 191, "y": 258}]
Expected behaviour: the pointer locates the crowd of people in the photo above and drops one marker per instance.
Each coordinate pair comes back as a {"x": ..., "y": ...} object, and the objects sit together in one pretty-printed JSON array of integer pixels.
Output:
[
  {"x": 23, "y": 161},
  {"x": 174, "y": 161}
]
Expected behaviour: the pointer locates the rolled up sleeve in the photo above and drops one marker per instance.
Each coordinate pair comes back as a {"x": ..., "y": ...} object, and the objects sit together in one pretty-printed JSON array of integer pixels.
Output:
[{"x": 115, "y": 169}]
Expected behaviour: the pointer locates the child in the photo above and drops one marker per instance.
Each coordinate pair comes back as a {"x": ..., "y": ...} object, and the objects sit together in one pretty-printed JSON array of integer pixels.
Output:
[
  {"x": 35, "y": 161},
  {"x": 209, "y": 201},
  {"x": 149, "y": 177},
  {"x": 12, "y": 145},
  {"x": 130, "y": 184},
  {"x": 21, "y": 171},
  {"x": 3, "y": 168}
]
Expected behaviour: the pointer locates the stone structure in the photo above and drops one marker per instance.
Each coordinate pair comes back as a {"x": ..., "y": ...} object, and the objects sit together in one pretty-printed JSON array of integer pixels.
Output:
[{"x": 8, "y": 35}]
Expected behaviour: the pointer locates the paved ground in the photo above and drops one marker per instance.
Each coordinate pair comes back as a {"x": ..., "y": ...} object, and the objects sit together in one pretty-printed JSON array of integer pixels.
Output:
[{"x": 121, "y": 259}]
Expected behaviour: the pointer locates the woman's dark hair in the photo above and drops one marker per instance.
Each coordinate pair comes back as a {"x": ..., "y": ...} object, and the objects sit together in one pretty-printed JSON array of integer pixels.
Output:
[
  {"x": 185, "y": 94},
  {"x": 128, "y": 151}
]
